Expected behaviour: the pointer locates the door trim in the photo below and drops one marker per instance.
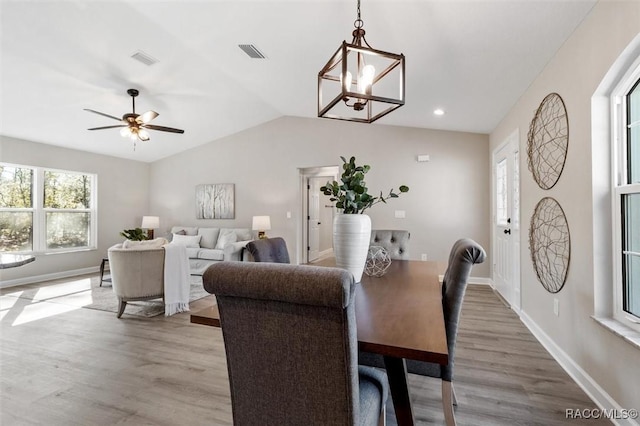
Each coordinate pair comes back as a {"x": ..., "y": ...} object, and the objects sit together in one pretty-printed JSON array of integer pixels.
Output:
[{"x": 331, "y": 172}]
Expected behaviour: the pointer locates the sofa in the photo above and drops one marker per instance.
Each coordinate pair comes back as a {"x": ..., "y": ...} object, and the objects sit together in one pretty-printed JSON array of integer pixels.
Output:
[{"x": 206, "y": 246}]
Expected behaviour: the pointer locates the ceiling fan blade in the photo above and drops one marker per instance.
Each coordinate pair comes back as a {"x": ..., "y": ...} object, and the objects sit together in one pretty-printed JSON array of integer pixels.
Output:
[
  {"x": 147, "y": 117},
  {"x": 108, "y": 127},
  {"x": 103, "y": 114},
  {"x": 162, "y": 128}
]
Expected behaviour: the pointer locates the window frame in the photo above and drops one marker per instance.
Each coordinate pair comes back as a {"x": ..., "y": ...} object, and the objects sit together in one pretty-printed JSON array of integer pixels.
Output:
[
  {"x": 620, "y": 187},
  {"x": 39, "y": 212}
]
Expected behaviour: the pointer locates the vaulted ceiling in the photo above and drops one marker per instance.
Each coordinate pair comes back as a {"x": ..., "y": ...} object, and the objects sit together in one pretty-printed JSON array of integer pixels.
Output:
[{"x": 472, "y": 58}]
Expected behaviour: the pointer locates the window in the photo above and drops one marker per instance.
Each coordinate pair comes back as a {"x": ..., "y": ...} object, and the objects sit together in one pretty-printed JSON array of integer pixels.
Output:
[
  {"x": 45, "y": 210},
  {"x": 627, "y": 201}
]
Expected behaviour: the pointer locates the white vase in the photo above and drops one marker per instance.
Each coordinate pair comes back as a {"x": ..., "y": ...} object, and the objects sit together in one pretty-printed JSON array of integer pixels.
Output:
[{"x": 351, "y": 235}]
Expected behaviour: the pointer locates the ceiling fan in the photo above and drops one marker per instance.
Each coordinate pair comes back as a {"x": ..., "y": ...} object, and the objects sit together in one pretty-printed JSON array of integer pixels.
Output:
[{"x": 135, "y": 125}]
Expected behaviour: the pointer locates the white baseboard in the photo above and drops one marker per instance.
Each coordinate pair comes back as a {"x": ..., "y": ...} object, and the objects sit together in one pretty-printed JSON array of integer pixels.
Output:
[
  {"x": 481, "y": 281},
  {"x": 48, "y": 277},
  {"x": 598, "y": 395}
]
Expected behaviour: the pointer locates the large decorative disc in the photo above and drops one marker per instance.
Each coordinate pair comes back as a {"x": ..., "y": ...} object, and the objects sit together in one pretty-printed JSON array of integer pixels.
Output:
[
  {"x": 550, "y": 244},
  {"x": 548, "y": 141}
]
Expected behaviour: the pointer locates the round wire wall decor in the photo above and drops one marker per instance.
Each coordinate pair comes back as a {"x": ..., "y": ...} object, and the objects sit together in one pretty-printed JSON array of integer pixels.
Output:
[
  {"x": 550, "y": 244},
  {"x": 548, "y": 141}
]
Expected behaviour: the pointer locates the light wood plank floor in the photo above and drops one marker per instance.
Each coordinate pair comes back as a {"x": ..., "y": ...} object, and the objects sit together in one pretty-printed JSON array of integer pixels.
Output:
[{"x": 64, "y": 365}]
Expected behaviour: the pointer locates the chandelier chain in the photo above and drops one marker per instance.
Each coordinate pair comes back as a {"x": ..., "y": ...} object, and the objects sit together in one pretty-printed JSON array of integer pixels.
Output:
[{"x": 358, "y": 22}]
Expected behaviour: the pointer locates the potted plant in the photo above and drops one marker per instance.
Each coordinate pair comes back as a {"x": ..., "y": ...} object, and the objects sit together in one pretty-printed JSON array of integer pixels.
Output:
[
  {"x": 136, "y": 234},
  {"x": 352, "y": 228}
]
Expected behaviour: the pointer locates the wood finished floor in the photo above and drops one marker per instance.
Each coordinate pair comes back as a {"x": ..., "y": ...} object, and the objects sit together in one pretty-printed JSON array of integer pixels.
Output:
[{"x": 63, "y": 365}]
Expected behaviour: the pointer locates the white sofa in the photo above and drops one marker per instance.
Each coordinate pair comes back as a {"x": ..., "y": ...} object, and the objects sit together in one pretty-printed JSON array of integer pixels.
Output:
[{"x": 206, "y": 246}]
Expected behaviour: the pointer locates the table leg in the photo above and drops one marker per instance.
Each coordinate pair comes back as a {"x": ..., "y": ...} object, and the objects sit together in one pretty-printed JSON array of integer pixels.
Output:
[{"x": 397, "y": 374}]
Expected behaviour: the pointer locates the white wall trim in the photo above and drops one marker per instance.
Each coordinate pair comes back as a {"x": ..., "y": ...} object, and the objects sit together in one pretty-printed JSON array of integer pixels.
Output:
[
  {"x": 48, "y": 277},
  {"x": 597, "y": 394}
]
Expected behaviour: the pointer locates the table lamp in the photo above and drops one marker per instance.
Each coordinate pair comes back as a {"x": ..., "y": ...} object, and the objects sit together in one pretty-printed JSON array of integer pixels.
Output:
[
  {"x": 150, "y": 223},
  {"x": 261, "y": 224}
]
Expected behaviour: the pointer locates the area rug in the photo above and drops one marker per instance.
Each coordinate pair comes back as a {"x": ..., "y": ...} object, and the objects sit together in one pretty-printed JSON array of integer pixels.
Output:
[{"x": 104, "y": 299}]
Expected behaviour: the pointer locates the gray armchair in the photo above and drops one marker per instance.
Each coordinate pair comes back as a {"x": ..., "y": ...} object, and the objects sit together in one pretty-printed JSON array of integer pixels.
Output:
[
  {"x": 290, "y": 339},
  {"x": 272, "y": 250},
  {"x": 136, "y": 274},
  {"x": 464, "y": 254},
  {"x": 396, "y": 242}
]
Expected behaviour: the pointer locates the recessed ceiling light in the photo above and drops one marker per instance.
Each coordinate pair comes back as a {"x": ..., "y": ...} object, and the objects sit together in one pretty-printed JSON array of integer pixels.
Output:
[{"x": 438, "y": 111}]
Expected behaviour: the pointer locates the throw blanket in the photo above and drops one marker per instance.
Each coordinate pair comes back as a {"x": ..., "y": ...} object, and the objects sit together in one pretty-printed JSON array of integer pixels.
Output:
[{"x": 176, "y": 279}]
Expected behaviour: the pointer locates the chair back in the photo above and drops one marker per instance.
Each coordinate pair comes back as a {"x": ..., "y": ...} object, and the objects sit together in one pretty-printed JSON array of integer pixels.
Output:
[
  {"x": 291, "y": 343},
  {"x": 137, "y": 273},
  {"x": 273, "y": 250},
  {"x": 464, "y": 254},
  {"x": 396, "y": 242}
]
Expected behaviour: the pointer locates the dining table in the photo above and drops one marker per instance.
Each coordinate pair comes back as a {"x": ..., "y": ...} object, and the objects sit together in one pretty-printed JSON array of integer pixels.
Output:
[{"x": 399, "y": 315}]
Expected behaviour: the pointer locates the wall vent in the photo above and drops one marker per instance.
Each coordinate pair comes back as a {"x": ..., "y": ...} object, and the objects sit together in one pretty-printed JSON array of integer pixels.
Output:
[
  {"x": 252, "y": 51},
  {"x": 145, "y": 58}
]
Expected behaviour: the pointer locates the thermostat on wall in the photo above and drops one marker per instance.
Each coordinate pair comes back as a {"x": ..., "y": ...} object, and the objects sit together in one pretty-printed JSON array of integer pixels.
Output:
[{"x": 423, "y": 158}]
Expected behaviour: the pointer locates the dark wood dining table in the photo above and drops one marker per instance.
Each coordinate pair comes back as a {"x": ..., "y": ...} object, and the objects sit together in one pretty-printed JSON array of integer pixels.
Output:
[{"x": 399, "y": 316}]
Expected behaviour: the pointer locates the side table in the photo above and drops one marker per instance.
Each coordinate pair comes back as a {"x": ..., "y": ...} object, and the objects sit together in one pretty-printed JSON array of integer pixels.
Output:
[{"x": 102, "y": 279}]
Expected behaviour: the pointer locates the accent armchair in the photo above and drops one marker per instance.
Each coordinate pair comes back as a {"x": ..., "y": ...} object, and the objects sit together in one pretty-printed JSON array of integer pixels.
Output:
[
  {"x": 464, "y": 254},
  {"x": 290, "y": 339},
  {"x": 136, "y": 274}
]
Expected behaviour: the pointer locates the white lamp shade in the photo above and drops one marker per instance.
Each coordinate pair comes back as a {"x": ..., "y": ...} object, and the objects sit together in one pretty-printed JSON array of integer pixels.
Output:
[
  {"x": 261, "y": 223},
  {"x": 150, "y": 222}
]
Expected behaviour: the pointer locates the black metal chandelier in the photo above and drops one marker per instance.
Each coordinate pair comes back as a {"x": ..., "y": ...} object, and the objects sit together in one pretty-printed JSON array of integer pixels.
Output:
[{"x": 360, "y": 83}]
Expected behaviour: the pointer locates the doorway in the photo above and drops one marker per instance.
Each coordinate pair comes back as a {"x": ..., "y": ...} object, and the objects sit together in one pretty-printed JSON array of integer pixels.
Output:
[
  {"x": 317, "y": 213},
  {"x": 506, "y": 223}
]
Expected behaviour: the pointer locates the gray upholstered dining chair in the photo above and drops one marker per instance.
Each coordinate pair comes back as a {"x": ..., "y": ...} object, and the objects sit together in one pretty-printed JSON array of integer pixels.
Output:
[
  {"x": 396, "y": 242},
  {"x": 464, "y": 254},
  {"x": 272, "y": 250},
  {"x": 290, "y": 340}
]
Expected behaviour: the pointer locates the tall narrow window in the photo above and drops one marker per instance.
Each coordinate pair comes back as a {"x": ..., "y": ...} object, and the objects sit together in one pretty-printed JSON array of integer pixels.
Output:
[
  {"x": 501, "y": 192},
  {"x": 627, "y": 201},
  {"x": 67, "y": 206},
  {"x": 630, "y": 202},
  {"x": 16, "y": 208}
]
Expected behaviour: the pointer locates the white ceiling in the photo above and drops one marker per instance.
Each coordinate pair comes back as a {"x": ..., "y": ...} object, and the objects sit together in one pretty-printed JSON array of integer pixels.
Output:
[{"x": 472, "y": 58}]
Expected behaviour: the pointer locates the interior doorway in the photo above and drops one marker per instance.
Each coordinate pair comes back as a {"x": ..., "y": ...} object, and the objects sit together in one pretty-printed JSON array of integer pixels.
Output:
[
  {"x": 317, "y": 213},
  {"x": 506, "y": 223}
]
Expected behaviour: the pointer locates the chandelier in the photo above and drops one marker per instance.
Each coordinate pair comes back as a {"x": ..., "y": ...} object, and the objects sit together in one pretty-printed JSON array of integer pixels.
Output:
[{"x": 360, "y": 83}]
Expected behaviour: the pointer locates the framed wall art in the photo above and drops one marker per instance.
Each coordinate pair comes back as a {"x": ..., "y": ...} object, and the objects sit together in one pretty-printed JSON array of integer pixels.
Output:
[{"x": 215, "y": 201}]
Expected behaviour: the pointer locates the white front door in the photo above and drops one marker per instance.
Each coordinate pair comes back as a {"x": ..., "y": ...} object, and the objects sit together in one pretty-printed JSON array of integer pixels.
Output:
[{"x": 506, "y": 193}]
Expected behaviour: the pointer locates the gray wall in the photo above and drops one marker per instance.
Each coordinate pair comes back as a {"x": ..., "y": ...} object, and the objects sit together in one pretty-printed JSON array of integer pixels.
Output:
[
  {"x": 448, "y": 198},
  {"x": 122, "y": 200},
  {"x": 575, "y": 73}
]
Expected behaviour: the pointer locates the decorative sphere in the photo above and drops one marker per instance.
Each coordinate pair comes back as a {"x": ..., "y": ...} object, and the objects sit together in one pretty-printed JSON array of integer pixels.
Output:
[{"x": 378, "y": 261}]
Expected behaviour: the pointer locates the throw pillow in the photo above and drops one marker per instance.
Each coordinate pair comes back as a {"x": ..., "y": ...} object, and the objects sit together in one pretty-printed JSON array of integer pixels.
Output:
[
  {"x": 226, "y": 236},
  {"x": 181, "y": 232},
  {"x": 186, "y": 240}
]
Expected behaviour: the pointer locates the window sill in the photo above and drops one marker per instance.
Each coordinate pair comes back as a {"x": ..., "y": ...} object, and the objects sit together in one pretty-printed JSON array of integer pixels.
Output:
[{"x": 629, "y": 335}]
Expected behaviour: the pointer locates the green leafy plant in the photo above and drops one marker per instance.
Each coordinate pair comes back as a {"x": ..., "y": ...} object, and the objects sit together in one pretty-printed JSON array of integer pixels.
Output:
[
  {"x": 351, "y": 193},
  {"x": 136, "y": 234}
]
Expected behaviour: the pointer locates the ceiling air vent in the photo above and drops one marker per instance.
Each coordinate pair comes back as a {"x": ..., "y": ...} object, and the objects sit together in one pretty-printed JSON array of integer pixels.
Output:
[
  {"x": 145, "y": 58},
  {"x": 252, "y": 51}
]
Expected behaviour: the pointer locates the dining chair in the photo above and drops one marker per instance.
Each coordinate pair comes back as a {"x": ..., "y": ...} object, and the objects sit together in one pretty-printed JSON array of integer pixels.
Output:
[
  {"x": 291, "y": 344},
  {"x": 464, "y": 254},
  {"x": 395, "y": 241},
  {"x": 272, "y": 250}
]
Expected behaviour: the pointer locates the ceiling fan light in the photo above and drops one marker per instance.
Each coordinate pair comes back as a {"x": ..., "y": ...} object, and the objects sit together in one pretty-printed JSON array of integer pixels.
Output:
[
  {"x": 125, "y": 131},
  {"x": 143, "y": 135}
]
